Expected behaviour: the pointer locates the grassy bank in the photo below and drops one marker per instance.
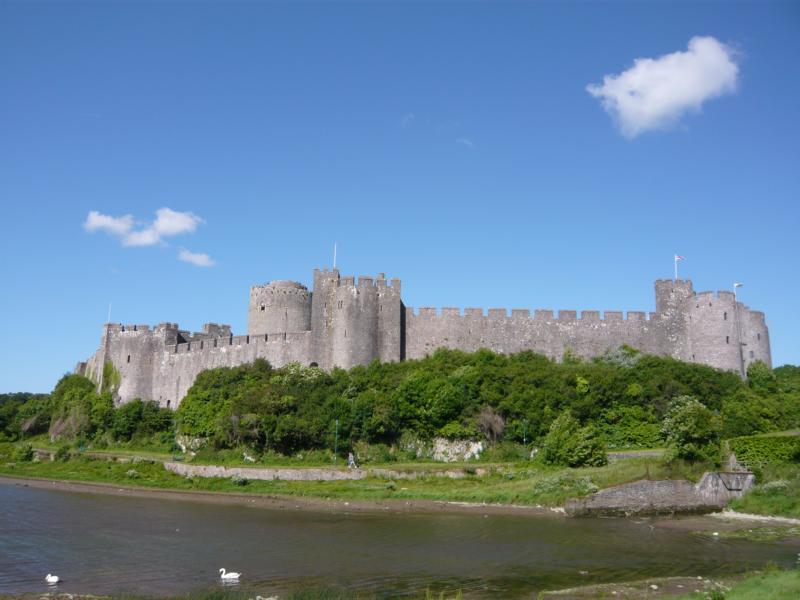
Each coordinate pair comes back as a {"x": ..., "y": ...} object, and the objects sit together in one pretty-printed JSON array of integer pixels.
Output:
[
  {"x": 777, "y": 494},
  {"x": 775, "y": 585},
  {"x": 502, "y": 484}
]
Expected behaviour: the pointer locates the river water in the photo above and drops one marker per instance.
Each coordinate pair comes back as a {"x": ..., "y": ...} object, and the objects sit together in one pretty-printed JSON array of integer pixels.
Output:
[{"x": 105, "y": 544}]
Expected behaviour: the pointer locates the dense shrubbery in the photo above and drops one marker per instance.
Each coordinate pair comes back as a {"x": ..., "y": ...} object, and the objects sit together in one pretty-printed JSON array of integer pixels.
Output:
[
  {"x": 567, "y": 444},
  {"x": 624, "y": 395},
  {"x": 757, "y": 451},
  {"x": 75, "y": 412},
  {"x": 692, "y": 430},
  {"x": 621, "y": 399},
  {"x": 21, "y": 414}
]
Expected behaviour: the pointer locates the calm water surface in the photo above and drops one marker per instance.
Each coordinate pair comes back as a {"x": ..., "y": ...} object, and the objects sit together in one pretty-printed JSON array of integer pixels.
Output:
[{"x": 105, "y": 544}]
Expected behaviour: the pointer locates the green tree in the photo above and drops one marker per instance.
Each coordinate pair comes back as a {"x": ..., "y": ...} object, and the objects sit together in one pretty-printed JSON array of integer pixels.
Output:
[
  {"x": 569, "y": 444},
  {"x": 692, "y": 430}
]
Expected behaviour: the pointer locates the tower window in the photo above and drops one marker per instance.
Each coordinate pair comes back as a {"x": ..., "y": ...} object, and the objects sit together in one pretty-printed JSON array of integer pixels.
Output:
[
  {"x": 758, "y": 336},
  {"x": 725, "y": 316},
  {"x": 263, "y": 307},
  {"x": 727, "y": 339},
  {"x": 340, "y": 304},
  {"x": 129, "y": 358}
]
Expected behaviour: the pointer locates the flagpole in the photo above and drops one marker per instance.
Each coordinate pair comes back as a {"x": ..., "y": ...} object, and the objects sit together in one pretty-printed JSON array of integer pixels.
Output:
[
  {"x": 675, "y": 260},
  {"x": 334, "y": 256}
]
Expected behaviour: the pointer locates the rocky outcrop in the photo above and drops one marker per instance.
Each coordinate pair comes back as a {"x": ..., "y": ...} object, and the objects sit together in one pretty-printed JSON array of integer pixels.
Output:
[{"x": 712, "y": 492}]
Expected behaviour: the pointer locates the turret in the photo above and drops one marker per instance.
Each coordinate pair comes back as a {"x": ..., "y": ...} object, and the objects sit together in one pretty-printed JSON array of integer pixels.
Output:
[
  {"x": 279, "y": 307},
  {"x": 715, "y": 325},
  {"x": 671, "y": 293}
]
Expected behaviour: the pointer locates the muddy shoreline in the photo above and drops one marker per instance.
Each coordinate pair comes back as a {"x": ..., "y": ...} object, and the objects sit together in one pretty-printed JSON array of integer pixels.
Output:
[{"x": 283, "y": 502}]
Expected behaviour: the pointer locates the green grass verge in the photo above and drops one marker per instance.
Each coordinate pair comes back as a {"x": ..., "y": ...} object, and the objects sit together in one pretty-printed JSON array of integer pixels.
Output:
[
  {"x": 778, "y": 494},
  {"x": 775, "y": 585},
  {"x": 526, "y": 485}
]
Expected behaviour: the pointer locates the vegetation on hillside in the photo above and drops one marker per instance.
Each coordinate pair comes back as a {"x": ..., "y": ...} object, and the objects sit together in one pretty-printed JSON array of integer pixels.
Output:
[{"x": 623, "y": 399}]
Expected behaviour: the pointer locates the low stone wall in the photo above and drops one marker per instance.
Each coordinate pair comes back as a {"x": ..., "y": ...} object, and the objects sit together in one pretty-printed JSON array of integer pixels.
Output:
[
  {"x": 307, "y": 474},
  {"x": 712, "y": 492}
]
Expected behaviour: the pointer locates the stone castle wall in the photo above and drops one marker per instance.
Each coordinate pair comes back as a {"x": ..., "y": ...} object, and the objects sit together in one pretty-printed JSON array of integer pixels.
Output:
[
  {"x": 587, "y": 334},
  {"x": 346, "y": 322}
]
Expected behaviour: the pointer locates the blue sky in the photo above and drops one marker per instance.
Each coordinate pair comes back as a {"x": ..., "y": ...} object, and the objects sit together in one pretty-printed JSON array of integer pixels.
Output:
[{"x": 452, "y": 145}]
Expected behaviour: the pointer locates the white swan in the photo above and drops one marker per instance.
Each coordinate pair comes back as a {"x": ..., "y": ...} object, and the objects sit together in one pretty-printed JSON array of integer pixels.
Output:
[
  {"x": 51, "y": 578},
  {"x": 229, "y": 576}
]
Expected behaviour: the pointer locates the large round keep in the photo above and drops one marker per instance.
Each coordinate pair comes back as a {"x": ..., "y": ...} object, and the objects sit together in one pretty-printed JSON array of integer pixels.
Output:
[{"x": 279, "y": 307}]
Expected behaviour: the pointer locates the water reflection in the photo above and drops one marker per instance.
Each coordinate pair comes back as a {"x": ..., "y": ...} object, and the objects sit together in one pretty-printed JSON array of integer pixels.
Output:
[{"x": 103, "y": 544}]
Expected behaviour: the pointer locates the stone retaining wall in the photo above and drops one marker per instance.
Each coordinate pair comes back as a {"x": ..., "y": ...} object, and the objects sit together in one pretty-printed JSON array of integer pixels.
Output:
[
  {"x": 712, "y": 492},
  {"x": 307, "y": 474}
]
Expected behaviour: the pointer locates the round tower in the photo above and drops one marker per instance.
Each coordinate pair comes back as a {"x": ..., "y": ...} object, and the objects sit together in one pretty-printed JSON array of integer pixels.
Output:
[
  {"x": 755, "y": 337},
  {"x": 715, "y": 326},
  {"x": 354, "y": 320},
  {"x": 279, "y": 307}
]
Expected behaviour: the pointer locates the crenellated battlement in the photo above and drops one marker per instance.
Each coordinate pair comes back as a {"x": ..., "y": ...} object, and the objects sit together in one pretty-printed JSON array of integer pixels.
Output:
[
  {"x": 521, "y": 314},
  {"x": 279, "y": 288},
  {"x": 233, "y": 341}
]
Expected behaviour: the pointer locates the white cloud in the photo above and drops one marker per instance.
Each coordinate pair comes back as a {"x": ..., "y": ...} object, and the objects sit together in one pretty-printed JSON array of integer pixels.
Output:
[
  {"x": 167, "y": 223},
  {"x": 196, "y": 258},
  {"x": 96, "y": 221},
  {"x": 464, "y": 141},
  {"x": 172, "y": 222},
  {"x": 656, "y": 92}
]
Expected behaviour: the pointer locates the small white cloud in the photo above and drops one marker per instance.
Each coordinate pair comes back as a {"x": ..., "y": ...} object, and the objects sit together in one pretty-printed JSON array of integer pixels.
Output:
[
  {"x": 143, "y": 237},
  {"x": 167, "y": 223},
  {"x": 656, "y": 92},
  {"x": 466, "y": 142},
  {"x": 171, "y": 222},
  {"x": 196, "y": 258},
  {"x": 96, "y": 221}
]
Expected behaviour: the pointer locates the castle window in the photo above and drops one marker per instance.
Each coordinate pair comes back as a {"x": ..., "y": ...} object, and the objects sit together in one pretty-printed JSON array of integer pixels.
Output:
[
  {"x": 725, "y": 316},
  {"x": 313, "y": 364},
  {"x": 692, "y": 356},
  {"x": 758, "y": 336},
  {"x": 752, "y": 354},
  {"x": 263, "y": 307},
  {"x": 340, "y": 304},
  {"x": 129, "y": 358},
  {"x": 168, "y": 403},
  {"x": 727, "y": 339}
]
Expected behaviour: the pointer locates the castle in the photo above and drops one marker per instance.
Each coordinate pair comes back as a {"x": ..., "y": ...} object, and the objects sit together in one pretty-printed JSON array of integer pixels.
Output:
[{"x": 344, "y": 322}]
